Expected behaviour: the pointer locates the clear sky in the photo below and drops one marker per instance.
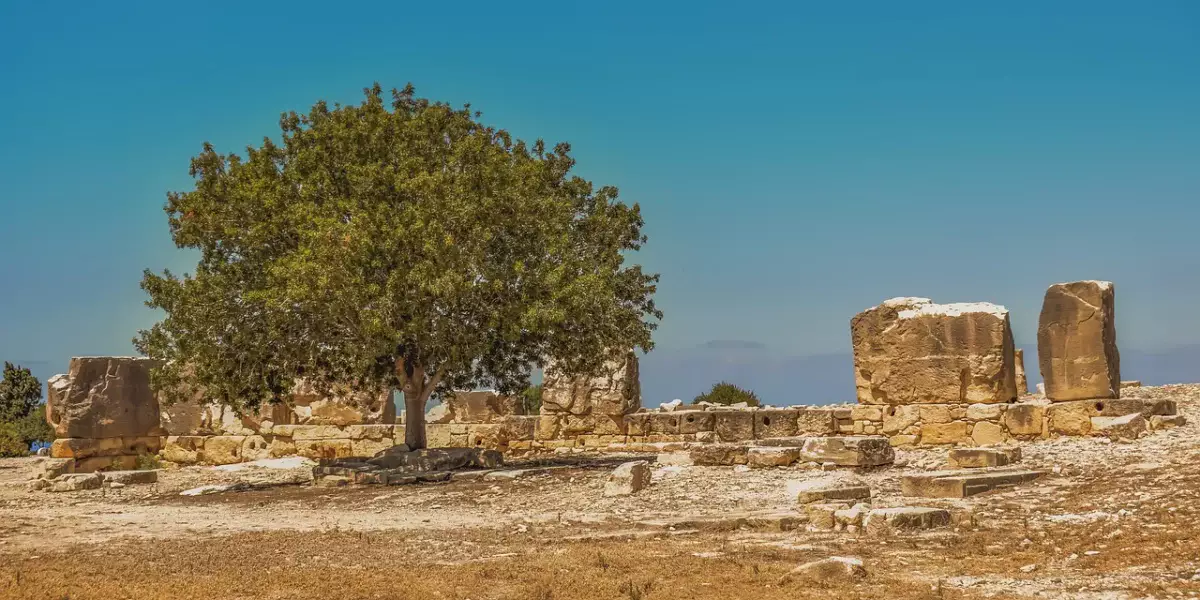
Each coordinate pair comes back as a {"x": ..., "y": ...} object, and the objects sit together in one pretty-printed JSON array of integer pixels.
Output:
[{"x": 795, "y": 163}]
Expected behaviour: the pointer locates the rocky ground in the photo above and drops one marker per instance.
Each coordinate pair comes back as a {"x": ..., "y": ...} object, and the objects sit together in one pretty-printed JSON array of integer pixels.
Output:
[{"x": 1110, "y": 520}]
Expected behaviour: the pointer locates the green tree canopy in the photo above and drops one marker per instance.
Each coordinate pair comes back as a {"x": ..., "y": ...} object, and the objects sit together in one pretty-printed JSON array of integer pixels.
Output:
[
  {"x": 20, "y": 393},
  {"x": 726, "y": 394},
  {"x": 404, "y": 245}
]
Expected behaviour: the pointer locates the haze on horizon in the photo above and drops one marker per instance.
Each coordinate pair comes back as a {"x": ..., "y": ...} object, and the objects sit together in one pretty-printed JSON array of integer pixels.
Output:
[{"x": 794, "y": 165}]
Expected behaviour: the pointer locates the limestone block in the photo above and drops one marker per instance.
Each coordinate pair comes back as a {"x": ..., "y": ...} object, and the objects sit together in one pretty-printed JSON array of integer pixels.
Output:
[
  {"x": 719, "y": 455},
  {"x": 123, "y": 462},
  {"x": 812, "y": 420},
  {"x": 637, "y": 424},
  {"x": 898, "y": 418},
  {"x": 984, "y": 412},
  {"x": 340, "y": 405},
  {"x": 310, "y": 432},
  {"x": 987, "y": 433},
  {"x": 103, "y": 397},
  {"x": 978, "y": 458},
  {"x": 822, "y": 515},
  {"x": 664, "y": 423},
  {"x": 1019, "y": 367},
  {"x": 963, "y": 484},
  {"x": 608, "y": 424},
  {"x": 935, "y": 413},
  {"x": 615, "y": 391},
  {"x": 629, "y": 478},
  {"x": 827, "y": 489},
  {"x": 482, "y": 406},
  {"x": 944, "y": 433},
  {"x": 903, "y": 441},
  {"x": 1025, "y": 420},
  {"x": 695, "y": 421},
  {"x": 734, "y": 425},
  {"x": 281, "y": 446},
  {"x": 486, "y": 436},
  {"x": 768, "y": 456},
  {"x": 76, "y": 481},
  {"x": 1166, "y": 421},
  {"x": 884, "y": 521},
  {"x": 1132, "y": 383},
  {"x": 912, "y": 351},
  {"x": 369, "y": 432},
  {"x": 86, "y": 447},
  {"x": 322, "y": 449},
  {"x": 370, "y": 447},
  {"x": 223, "y": 449},
  {"x": 183, "y": 449},
  {"x": 1071, "y": 418},
  {"x": 775, "y": 422},
  {"x": 436, "y": 436},
  {"x": 1077, "y": 341},
  {"x": 520, "y": 428},
  {"x": 131, "y": 477},
  {"x": 857, "y": 451},
  {"x": 255, "y": 447},
  {"x": 1127, "y": 427},
  {"x": 867, "y": 412}
]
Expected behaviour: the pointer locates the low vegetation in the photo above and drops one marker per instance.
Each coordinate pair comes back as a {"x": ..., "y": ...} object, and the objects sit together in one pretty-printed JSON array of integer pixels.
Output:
[
  {"x": 726, "y": 394},
  {"x": 22, "y": 414}
]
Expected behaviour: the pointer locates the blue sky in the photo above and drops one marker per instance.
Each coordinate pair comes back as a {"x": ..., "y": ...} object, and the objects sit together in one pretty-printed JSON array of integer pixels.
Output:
[{"x": 795, "y": 163}]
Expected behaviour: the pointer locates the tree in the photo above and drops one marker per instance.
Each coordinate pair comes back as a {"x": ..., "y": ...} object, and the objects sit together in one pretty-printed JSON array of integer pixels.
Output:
[
  {"x": 406, "y": 246},
  {"x": 531, "y": 400},
  {"x": 20, "y": 393},
  {"x": 726, "y": 394}
]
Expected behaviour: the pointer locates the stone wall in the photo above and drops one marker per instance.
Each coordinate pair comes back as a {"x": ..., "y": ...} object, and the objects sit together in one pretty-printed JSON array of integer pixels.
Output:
[{"x": 588, "y": 406}]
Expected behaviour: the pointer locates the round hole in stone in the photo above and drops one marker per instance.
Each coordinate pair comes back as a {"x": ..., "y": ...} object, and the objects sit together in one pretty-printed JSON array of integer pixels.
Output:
[
  {"x": 767, "y": 421},
  {"x": 1099, "y": 407},
  {"x": 691, "y": 419}
]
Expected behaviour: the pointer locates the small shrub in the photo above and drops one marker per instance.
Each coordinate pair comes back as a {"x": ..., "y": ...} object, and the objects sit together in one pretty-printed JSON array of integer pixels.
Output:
[
  {"x": 11, "y": 444},
  {"x": 147, "y": 462},
  {"x": 33, "y": 427},
  {"x": 726, "y": 394}
]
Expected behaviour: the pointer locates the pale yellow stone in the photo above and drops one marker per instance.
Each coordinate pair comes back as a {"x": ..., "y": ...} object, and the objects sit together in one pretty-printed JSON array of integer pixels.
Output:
[
  {"x": 935, "y": 413},
  {"x": 987, "y": 433},
  {"x": 944, "y": 433}
]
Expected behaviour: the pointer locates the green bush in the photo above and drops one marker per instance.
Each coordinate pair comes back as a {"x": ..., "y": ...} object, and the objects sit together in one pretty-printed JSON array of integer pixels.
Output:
[
  {"x": 33, "y": 427},
  {"x": 726, "y": 394},
  {"x": 11, "y": 444}
]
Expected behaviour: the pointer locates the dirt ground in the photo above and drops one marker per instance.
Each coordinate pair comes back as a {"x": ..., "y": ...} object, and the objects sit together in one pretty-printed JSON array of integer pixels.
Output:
[{"x": 1110, "y": 520}]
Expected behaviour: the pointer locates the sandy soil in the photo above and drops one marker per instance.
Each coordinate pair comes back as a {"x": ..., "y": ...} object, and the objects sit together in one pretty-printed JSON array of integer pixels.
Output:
[{"x": 1111, "y": 520}]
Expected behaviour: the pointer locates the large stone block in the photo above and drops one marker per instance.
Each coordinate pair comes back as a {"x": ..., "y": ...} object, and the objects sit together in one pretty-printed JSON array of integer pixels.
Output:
[
  {"x": 482, "y": 406},
  {"x": 1019, "y": 370},
  {"x": 912, "y": 351},
  {"x": 1025, "y": 420},
  {"x": 734, "y": 425},
  {"x": 775, "y": 422},
  {"x": 183, "y": 449},
  {"x": 1077, "y": 341},
  {"x": 856, "y": 451},
  {"x": 103, "y": 397},
  {"x": 695, "y": 421},
  {"x": 944, "y": 433},
  {"x": 616, "y": 391},
  {"x": 223, "y": 449}
]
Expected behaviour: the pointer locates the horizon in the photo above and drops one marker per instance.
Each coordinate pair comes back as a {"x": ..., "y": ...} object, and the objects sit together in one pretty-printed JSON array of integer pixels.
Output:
[{"x": 791, "y": 172}]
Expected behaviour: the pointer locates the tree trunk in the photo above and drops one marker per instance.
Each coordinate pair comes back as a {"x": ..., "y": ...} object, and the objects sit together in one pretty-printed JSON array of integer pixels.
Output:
[{"x": 414, "y": 418}]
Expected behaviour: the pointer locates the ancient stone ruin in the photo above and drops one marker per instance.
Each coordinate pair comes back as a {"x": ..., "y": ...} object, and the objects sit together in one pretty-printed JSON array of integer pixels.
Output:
[{"x": 926, "y": 374}]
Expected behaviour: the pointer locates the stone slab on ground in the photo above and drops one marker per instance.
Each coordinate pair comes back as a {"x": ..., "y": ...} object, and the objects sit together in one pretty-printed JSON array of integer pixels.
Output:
[
  {"x": 977, "y": 458},
  {"x": 849, "y": 451},
  {"x": 397, "y": 466},
  {"x": 131, "y": 477},
  {"x": 905, "y": 518},
  {"x": 74, "y": 482},
  {"x": 711, "y": 455},
  {"x": 1127, "y": 427},
  {"x": 962, "y": 484},
  {"x": 627, "y": 479},
  {"x": 832, "y": 569},
  {"x": 828, "y": 489}
]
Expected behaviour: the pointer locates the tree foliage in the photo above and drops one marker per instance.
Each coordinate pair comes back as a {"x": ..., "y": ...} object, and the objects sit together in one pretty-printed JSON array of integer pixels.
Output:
[
  {"x": 400, "y": 244},
  {"x": 726, "y": 394},
  {"x": 20, "y": 393}
]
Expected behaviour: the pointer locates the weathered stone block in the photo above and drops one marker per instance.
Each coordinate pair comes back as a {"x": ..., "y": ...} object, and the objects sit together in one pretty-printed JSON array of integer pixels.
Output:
[
  {"x": 223, "y": 449},
  {"x": 482, "y": 406},
  {"x": 131, "y": 477},
  {"x": 978, "y": 458},
  {"x": 371, "y": 447},
  {"x": 867, "y": 412},
  {"x": 664, "y": 423},
  {"x": 340, "y": 405},
  {"x": 103, "y": 397},
  {"x": 1072, "y": 418},
  {"x": 827, "y": 570},
  {"x": 898, "y": 418},
  {"x": 1025, "y": 420},
  {"x": 944, "y": 433},
  {"x": 369, "y": 432},
  {"x": 816, "y": 421},
  {"x": 629, "y": 478},
  {"x": 963, "y": 483},
  {"x": 255, "y": 447},
  {"x": 695, "y": 421},
  {"x": 859, "y": 451},
  {"x": 281, "y": 446},
  {"x": 1077, "y": 341},
  {"x": 984, "y": 412},
  {"x": 183, "y": 449},
  {"x": 935, "y": 413},
  {"x": 437, "y": 436},
  {"x": 321, "y": 449},
  {"x": 1019, "y": 370},
  {"x": 616, "y": 391},
  {"x": 775, "y": 422},
  {"x": 884, "y": 521},
  {"x": 1127, "y": 427},
  {"x": 987, "y": 433},
  {"x": 1166, "y": 421},
  {"x": 912, "y": 351},
  {"x": 827, "y": 489},
  {"x": 720, "y": 455},
  {"x": 768, "y": 456},
  {"x": 734, "y": 425}
]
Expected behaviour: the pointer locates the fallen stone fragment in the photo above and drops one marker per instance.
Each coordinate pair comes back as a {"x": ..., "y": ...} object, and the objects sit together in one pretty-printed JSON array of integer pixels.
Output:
[
  {"x": 828, "y": 570},
  {"x": 772, "y": 456},
  {"x": 906, "y": 518},
  {"x": 131, "y": 477},
  {"x": 436, "y": 459},
  {"x": 1127, "y": 428},
  {"x": 215, "y": 489},
  {"x": 976, "y": 458},
  {"x": 629, "y": 478},
  {"x": 720, "y": 455},
  {"x": 332, "y": 481},
  {"x": 962, "y": 484},
  {"x": 1166, "y": 421},
  {"x": 826, "y": 489},
  {"x": 75, "y": 482},
  {"x": 822, "y": 515},
  {"x": 850, "y": 451},
  {"x": 678, "y": 459}
]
